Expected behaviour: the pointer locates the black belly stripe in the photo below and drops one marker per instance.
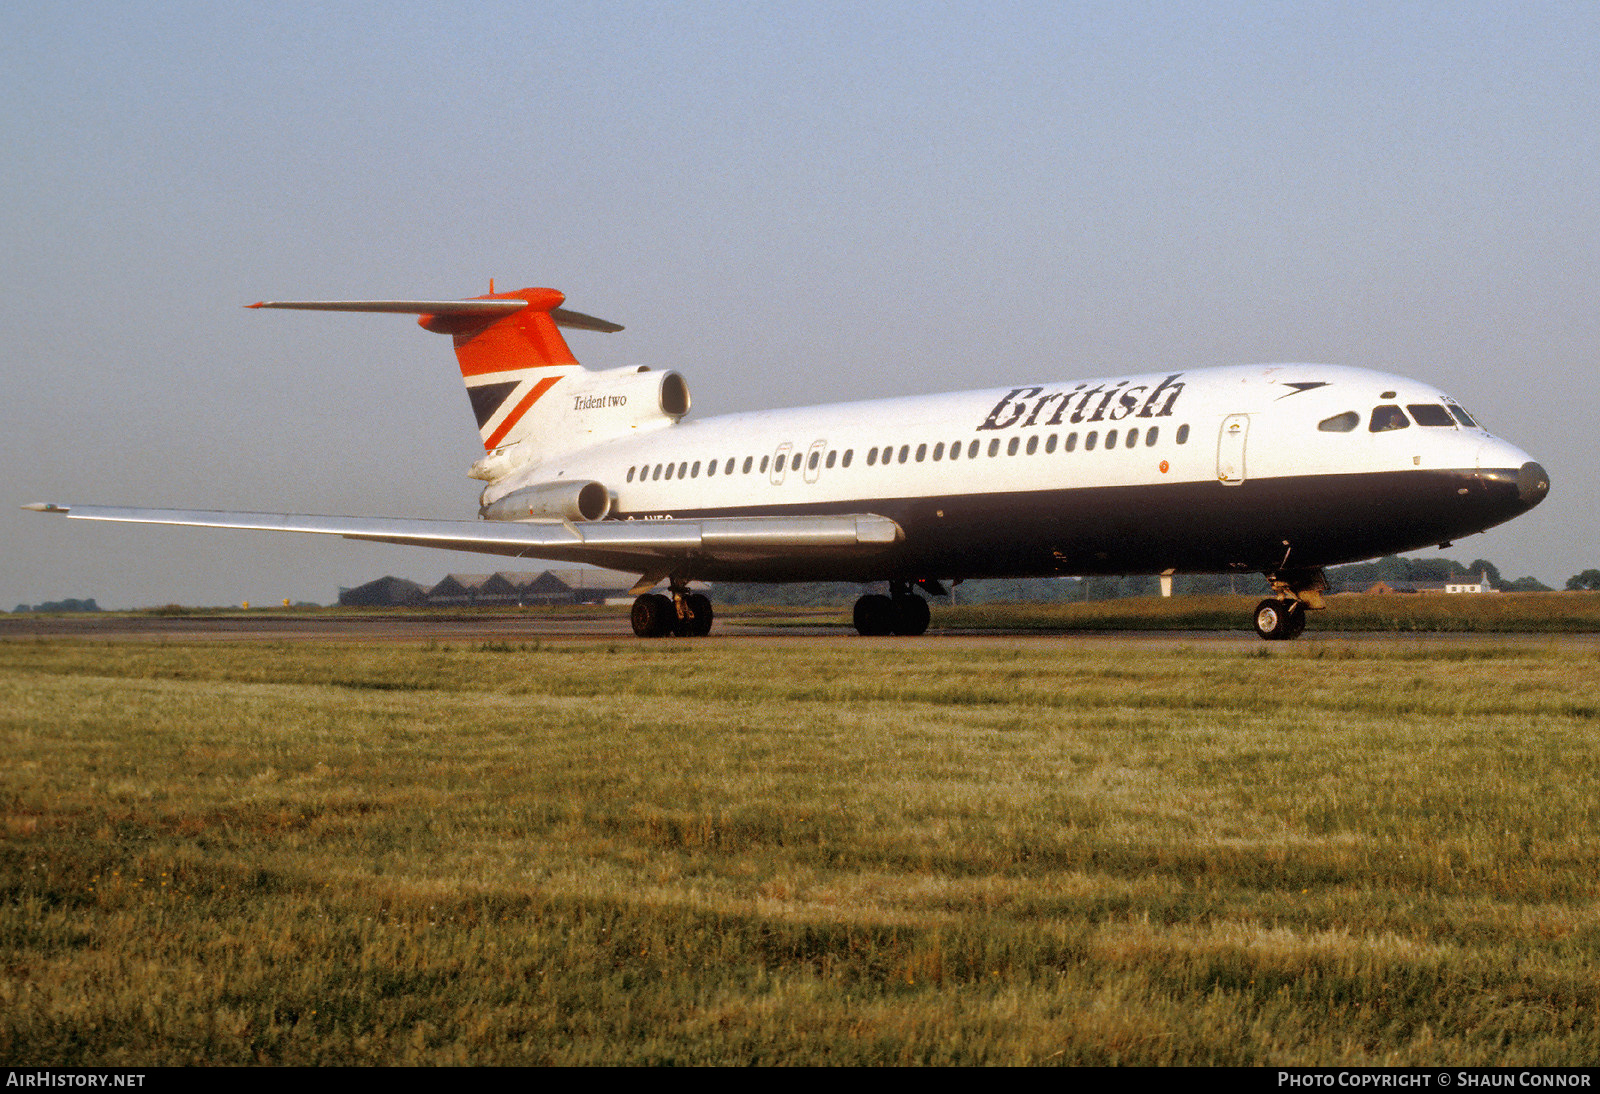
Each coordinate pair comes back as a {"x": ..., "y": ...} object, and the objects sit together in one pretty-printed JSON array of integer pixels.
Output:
[{"x": 1190, "y": 527}]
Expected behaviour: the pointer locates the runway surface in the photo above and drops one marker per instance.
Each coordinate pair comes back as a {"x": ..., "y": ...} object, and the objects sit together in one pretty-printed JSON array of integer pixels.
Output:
[{"x": 267, "y": 625}]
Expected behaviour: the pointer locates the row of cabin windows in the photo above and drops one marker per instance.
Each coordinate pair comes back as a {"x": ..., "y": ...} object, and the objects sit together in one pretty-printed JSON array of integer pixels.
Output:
[
  {"x": 888, "y": 454},
  {"x": 1091, "y": 440}
]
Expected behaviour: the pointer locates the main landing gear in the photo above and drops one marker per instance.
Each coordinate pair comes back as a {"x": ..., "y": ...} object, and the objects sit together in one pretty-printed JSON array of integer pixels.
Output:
[
  {"x": 685, "y": 614},
  {"x": 901, "y": 612},
  {"x": 1282, "y": 617}
]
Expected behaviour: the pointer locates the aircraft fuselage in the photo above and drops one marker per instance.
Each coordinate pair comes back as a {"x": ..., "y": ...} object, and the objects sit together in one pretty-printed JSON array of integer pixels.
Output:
[{"x": 1214, "y": 470}]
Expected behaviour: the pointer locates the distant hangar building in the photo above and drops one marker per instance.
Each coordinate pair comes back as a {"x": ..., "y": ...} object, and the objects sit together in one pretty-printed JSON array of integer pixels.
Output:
[{"x": 503, "y": 589}]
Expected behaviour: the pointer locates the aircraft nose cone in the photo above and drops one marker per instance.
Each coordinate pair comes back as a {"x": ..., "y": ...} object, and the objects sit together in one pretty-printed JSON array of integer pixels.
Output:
[{"x": 1533, "y": 483}]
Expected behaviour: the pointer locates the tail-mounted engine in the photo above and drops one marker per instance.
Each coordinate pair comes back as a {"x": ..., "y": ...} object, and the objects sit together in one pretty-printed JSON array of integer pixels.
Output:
[
  {"x": 575, "y": 501},
  {"x": 582, "y": 408}
]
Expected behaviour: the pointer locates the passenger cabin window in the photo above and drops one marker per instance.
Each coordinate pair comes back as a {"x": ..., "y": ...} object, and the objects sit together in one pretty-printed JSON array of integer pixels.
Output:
[
  {"x": 1340, "y": 423},
  {"x": 1111, "y": 438},
  {"x": 1386, "y": 418},
  {"x": 849, "y": 452},
  {"x": 1088, "y": 441},
  {"x": 994, "y": 447},
  {"x": 1150, "y": 435},
  {"x": 1183, "y": 433},
  {"x": 1430, "y": 414},
  {"x": 1011, "y": 448}
]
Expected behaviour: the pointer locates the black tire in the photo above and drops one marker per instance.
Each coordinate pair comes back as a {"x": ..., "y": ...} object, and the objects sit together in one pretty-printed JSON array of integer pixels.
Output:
[
  {"x": 910, "y": 615},
  {"x": 652, "y": 616},
  {"x": 698, "y": 625},
  {"x": 874, "y": 615},
  {"x": 1271, "y": 619}
]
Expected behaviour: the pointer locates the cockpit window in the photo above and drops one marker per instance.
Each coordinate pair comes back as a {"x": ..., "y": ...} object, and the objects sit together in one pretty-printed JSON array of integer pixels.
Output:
[
  {"x": 1385, "y": 418},
  {"x": 1462, "y": 416},
  {"x": 1430, "y": 414},
  {"x": 1340, "y": 423}
]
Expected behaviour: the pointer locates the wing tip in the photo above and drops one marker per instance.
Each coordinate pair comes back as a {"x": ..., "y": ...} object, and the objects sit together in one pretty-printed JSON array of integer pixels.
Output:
[{"x": 47, "y": 507}]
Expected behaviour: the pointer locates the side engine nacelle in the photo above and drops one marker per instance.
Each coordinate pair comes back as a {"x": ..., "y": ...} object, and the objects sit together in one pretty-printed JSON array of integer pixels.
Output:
[{"x": 575, "y": 501}]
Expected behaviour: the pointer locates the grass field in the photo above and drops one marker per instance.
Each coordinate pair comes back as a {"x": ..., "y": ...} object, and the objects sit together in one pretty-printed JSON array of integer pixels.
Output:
[
  {"x": 1500, "y": 613},
  {"x": 672, "y": 852}
]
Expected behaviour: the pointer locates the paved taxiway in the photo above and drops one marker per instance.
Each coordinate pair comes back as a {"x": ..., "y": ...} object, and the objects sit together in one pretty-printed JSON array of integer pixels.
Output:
[{"x": 509, "y": 627}]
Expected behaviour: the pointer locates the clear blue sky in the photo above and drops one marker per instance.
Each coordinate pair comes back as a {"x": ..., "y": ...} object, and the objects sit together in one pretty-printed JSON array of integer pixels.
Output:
[{"x": 787, "y": 203}]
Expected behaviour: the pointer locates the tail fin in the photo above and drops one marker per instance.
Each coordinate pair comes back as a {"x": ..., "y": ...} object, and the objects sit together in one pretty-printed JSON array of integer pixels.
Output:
[{"x": 508, "y": 345}]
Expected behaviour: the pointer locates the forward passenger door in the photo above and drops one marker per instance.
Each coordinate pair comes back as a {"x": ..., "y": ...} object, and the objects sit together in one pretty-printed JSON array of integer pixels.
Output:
[{"x": 1230, "y": 449}]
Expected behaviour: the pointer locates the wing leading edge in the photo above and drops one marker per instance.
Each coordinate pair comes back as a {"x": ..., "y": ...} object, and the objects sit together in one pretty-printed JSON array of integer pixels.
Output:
[{"x": 649, "y": 547}]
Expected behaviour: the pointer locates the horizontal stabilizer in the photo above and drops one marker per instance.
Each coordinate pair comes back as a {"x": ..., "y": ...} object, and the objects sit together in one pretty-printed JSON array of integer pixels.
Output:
[
  {"x": 615, "y": 544},
  {"x": 485, "y": 309}
]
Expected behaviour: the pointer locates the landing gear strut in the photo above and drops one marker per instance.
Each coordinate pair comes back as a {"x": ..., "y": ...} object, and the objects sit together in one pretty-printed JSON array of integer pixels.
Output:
[
  {"x": 902, "y": 612},
  {"x": 685, "y": 614}
]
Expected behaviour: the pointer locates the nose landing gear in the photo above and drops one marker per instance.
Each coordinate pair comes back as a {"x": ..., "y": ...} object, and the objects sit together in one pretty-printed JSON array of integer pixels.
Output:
[{"x": 1280, "y": 618}]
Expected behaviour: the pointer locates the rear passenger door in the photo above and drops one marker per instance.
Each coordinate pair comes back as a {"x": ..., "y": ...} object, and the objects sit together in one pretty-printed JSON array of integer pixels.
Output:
[{"x": 813, "y": 464}]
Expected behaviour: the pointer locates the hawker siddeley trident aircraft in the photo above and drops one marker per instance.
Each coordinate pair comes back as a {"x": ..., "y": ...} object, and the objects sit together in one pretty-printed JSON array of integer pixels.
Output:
[{"x": 1280, "y": 469}]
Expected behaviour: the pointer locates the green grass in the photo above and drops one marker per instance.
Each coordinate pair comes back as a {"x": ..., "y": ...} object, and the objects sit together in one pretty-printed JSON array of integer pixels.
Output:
[
  {"x": 1497, "y": 613},
  {"x": 580, "y": 852}
]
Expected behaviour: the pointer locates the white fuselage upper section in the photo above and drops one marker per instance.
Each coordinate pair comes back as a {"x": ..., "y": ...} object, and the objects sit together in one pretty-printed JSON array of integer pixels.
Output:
[{"x": 1223, "y": 425}]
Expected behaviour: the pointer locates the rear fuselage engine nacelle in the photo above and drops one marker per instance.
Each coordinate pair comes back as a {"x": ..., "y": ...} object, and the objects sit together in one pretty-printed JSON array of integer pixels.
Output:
[{"x": 575, "y": 501}]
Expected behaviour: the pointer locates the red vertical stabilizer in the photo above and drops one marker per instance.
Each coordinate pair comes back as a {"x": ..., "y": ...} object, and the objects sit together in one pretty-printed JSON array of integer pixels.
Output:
[{"x": 526, "y": 338}]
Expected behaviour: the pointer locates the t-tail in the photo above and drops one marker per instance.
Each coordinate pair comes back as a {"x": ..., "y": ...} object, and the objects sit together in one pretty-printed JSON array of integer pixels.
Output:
[{"x": 530, "y": 396}]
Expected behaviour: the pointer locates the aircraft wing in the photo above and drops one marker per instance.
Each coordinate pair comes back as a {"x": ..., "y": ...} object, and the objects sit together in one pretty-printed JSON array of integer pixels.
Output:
[{"x": 647, "y": 546}]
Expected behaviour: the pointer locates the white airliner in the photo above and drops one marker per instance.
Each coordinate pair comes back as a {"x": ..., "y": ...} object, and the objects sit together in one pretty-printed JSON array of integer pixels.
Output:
[{"x": 1278, "y": 469}]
